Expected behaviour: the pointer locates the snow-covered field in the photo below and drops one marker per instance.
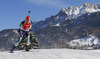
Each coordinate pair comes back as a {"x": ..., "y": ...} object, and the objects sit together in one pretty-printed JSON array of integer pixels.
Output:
[{"x": 52, "y": 54}]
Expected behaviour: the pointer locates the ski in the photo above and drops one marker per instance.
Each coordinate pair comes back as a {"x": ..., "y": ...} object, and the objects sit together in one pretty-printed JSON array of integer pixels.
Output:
[{"x": 11, "y": 51}]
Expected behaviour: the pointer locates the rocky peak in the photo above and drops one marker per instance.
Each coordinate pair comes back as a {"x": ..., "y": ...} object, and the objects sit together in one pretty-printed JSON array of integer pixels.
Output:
[{"x": 90, "y": 5}]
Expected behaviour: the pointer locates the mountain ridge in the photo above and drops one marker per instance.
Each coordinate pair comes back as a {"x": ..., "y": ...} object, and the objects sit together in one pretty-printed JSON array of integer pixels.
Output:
[{"x": 67, "y": 13}]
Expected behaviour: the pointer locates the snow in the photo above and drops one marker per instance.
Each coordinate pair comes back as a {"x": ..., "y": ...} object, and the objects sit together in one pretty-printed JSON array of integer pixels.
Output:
[
  {"x": 85, "y": 41},
  {"x": 6, "y": 35},
  {"x": 15, "y": 31},
  {"x": 57, "y": 24},
  {"x": 72, "y": 10},
  {"x": 75, "y": 11},
  {"x": 66, "y": 30},
  {"x": 52, "y": 54}
]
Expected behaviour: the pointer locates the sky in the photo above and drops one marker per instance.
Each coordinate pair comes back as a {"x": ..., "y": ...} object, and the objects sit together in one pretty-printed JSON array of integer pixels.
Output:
[{"x": 12, "y": 12}]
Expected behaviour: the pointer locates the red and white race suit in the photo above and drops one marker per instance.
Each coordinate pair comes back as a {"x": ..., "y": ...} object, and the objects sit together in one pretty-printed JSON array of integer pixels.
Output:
[{"x": 26, "y": 26}]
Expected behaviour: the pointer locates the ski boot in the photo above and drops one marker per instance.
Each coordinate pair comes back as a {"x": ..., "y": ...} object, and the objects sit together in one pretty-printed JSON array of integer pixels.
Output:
[
  {"x": 27, "y": 48},
  {"x": 12, "y": 50}
]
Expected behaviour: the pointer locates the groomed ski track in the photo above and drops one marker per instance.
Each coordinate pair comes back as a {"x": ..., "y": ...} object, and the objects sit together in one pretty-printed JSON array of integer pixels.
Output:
[{"x": 52, "y": 54}]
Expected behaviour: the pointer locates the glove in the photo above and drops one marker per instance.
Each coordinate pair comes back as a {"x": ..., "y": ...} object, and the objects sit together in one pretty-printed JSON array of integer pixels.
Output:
[
  {"x": 30, "y": 30},
  {"x": 19, "y": 30}
]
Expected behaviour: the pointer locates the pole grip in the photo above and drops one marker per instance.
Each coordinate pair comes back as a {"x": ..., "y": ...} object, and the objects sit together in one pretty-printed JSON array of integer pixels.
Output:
[{"x": 29, "y": 12}]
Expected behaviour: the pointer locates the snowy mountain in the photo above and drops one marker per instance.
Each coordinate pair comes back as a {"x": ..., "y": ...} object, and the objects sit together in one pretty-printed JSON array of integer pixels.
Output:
[
  {"x": 52, "y": 54},
  {"x": 77, "y": 11},
  {"x": 85, "y": 41},
  {"x": 67, "y": 13},
  {"x": 63, "y": 27}
]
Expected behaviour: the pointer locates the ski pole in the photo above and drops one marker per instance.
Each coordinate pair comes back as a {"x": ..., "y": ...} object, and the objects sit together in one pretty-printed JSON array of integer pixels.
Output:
[{"x": 29, "y": 12}]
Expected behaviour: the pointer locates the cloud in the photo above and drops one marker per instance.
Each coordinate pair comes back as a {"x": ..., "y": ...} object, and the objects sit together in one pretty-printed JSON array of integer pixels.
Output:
[{"x": 49, "y": 3}]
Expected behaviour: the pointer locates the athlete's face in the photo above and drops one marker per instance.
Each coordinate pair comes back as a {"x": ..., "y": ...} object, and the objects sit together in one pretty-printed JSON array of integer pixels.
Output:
[{"x": 28, "y": 20}]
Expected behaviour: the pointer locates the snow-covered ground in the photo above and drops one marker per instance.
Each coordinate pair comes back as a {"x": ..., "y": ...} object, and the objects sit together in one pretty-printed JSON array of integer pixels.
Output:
[{"x": 52, "y": 54}]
